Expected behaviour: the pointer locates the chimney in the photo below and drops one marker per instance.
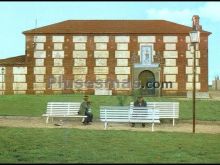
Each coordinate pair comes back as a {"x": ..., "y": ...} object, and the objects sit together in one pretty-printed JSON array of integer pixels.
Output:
[{"x": 195, "y": 23}]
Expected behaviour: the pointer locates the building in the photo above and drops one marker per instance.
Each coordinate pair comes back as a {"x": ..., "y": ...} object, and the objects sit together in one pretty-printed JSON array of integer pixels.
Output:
[
  {"x": 216, "y": 83},
  {"x": 107, "y": 57}
]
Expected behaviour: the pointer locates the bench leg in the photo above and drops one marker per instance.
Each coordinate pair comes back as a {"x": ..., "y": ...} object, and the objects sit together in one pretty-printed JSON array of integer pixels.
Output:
[
  {"x": 47, "y": 119},
  {"x": 152, "y": 128},
  {"x": 173, "y": 121},
  {"x": 106, "y": 124}
]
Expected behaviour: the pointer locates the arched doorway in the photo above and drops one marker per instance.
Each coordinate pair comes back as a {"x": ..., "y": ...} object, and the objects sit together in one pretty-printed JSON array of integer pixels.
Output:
[{"x": 146, "y": 79}]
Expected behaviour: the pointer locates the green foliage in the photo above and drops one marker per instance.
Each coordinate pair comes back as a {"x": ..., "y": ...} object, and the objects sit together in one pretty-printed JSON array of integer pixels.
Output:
[
  {"x": 135, "y": 94},
  {"x": 122, "y": 100}
]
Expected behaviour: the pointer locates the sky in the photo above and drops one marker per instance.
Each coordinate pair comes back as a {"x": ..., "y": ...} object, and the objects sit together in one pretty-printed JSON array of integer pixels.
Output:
[{"x": 17, "y": 17}]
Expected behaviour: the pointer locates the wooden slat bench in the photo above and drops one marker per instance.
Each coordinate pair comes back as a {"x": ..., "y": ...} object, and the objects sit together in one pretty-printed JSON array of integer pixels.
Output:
[
  {"x": 167, "y": 110},
  {"x": 125, "y": 114},
  {"x": 62, "y": 109}
]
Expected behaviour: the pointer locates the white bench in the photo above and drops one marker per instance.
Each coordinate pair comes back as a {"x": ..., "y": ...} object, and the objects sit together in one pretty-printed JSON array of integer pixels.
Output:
[
  {"x": 127, "y": 115},
  {"x": 62, "y": 109},
  {"x": 167, "y": 110}
]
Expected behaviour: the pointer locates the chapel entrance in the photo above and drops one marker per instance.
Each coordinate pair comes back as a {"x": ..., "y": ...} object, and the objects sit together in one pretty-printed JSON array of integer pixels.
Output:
[{"x": 147, "y": 79}]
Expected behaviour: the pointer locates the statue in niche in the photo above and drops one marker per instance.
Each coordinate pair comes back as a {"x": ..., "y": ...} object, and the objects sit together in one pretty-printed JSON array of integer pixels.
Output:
[{"x": 146, "y": 55}]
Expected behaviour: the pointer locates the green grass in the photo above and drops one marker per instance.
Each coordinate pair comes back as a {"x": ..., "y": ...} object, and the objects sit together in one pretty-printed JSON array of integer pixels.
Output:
[
  {"x": 35, "y": 105},
  {"x": 28, "y": 145}
]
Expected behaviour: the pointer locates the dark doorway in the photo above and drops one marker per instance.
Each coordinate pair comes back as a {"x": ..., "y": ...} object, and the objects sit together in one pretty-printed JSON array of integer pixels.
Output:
[{"x": 147, "y": 79}]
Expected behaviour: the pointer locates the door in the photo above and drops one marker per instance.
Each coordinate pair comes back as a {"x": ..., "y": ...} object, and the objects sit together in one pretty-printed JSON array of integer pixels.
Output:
[{"x": 147, "y": 79}]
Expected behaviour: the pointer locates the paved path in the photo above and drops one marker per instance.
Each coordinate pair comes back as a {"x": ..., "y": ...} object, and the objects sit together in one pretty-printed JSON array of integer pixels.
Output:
[{"x": 39, "y": 122}]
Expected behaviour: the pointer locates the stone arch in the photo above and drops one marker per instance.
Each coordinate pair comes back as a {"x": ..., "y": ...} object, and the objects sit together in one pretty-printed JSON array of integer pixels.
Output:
[{"x": 145, "y": 77}]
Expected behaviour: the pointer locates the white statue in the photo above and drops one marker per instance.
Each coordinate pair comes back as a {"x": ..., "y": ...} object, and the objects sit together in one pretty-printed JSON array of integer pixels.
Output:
[{"x": 147, "y": 57}]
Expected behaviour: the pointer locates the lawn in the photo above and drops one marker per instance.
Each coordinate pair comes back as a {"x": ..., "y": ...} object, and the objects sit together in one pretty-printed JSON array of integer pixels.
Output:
[
  {"x": 28, "y": 145},
  {"x": 35, "y": 105},
  {"x": 55, "y": 145}
]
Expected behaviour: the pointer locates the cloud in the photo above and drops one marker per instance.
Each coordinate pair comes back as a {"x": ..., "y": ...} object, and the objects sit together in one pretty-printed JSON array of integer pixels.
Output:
[{"x": 210, "y": 11}]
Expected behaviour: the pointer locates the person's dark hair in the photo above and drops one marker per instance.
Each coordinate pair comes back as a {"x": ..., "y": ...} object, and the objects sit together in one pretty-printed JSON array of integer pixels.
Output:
[{"x": 85, "y": 97}]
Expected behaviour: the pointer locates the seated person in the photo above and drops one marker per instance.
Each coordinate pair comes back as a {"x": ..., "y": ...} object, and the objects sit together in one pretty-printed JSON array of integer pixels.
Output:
[
  {"x": 85, "y": 109},
  {"x": 140, "y": 102}
]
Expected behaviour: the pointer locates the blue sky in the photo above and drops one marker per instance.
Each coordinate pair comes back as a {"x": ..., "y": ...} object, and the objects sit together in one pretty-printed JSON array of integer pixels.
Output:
[{"x": 17, "y": 17}]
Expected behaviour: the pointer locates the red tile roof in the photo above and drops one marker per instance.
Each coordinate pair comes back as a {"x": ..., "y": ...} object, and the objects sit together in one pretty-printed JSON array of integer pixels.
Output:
[
  {"x": 18, "y": 60},
  {"x": 113, "y": 27}
]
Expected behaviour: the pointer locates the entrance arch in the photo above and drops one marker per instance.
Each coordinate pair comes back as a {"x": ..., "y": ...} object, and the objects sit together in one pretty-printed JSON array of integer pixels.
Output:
[{"x": 146, "y": 77}]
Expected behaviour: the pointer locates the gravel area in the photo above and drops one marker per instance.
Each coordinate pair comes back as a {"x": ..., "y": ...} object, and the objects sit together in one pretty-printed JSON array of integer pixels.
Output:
[
  {"x": 212, "y": 127},
  {"x": 39, "y": 122}
]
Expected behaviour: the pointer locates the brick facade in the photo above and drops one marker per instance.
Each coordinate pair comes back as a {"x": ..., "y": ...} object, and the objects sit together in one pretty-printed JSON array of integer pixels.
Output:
[{"x": 53, "y": 57}]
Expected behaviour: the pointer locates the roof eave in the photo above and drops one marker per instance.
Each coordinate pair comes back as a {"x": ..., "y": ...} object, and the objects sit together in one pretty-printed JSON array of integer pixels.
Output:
[{"x": 46, "y": 33}]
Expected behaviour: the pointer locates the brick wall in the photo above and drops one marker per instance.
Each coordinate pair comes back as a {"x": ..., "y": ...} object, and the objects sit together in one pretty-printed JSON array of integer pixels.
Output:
[{"x": 51, "y": 58}]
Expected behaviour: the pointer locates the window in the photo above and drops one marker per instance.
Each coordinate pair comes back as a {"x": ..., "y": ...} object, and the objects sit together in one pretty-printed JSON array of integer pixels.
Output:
[{"x": 146, "y": 54}]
